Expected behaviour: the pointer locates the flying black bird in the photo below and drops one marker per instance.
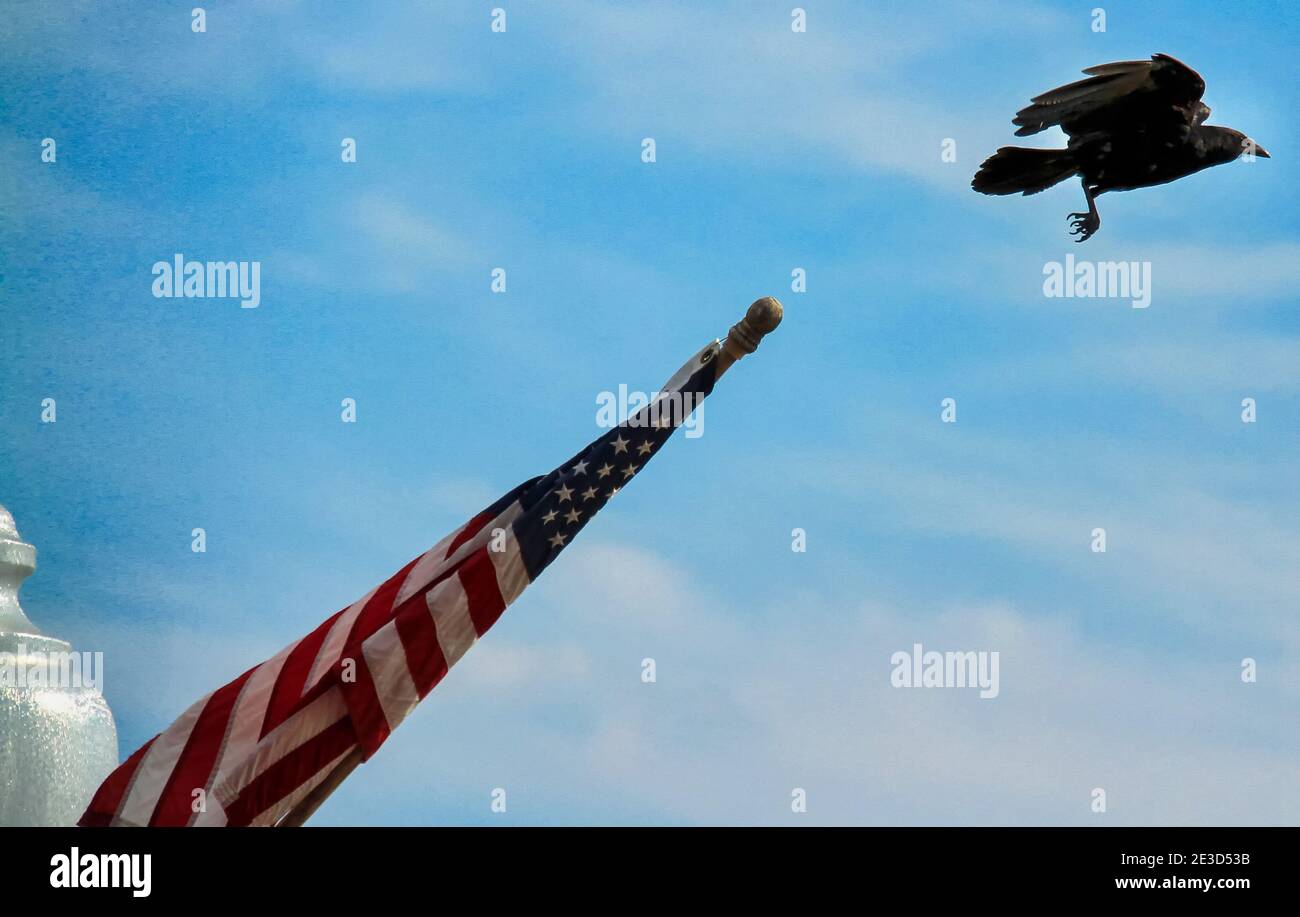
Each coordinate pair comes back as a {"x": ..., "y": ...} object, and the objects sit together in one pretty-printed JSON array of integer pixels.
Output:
[{"x": 1131, "y": 124}]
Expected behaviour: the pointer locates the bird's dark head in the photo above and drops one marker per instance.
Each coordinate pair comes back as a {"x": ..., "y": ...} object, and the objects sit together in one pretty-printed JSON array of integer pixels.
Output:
[{"x": 1224, "y": 144}]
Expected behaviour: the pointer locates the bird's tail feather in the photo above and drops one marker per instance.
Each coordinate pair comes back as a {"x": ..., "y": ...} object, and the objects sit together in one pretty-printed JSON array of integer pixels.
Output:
[{"x": 1017, "y": 170}]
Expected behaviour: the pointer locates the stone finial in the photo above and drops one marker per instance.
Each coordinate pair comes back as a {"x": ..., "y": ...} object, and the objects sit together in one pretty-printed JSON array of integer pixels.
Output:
[
  {"x": 58, "y": 740},
  {"x": 17, "y": 561},
  {"x": 8, "y": 530}
]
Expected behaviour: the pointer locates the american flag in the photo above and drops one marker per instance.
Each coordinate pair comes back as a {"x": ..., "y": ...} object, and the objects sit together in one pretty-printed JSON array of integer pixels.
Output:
[{"x": 250, "y": 751}]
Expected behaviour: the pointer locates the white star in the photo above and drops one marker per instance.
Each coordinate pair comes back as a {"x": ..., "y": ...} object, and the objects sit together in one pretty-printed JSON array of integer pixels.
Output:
[
  {"x": 589, "y": 493},
  {"x": 612, "y": 492},
  {"x": 572, "y": 515},
  {"x": 620, "y": 444},
  {"x": 557, "y": 540},
  {"x": 549, "y": 517},
  {"x": 629, "y": 471},
  {"x": 604, "y": 470},
  {"x": 644, "y": 448},
  {"x": 580, "y": 468},
  {"x": 564, "y": 492}
]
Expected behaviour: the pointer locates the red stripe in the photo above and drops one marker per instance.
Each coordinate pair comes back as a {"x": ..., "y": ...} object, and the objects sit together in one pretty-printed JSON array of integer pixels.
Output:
[
  {"x": 479, "y": 577},
  {"x": 198, "y": 757},
  {"x": 291, "y": 681},
  {"x": 108, "y": 798},
  {"x": 472, "y": 528},
  {"x": 367, "y": 715},
  {"x": 290, "y": 772},
  {"x": 377, "y": 613},
  {"x": 362, "y": 699},
  {"x": 367, "y": 725},
  {"x": 419, "y": 636}
]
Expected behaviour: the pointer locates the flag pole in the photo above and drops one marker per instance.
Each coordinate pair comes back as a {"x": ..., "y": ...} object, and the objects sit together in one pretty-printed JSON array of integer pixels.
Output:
[
  {"x": 743, "y": 338},
  {"x": 308, "y": 805}
]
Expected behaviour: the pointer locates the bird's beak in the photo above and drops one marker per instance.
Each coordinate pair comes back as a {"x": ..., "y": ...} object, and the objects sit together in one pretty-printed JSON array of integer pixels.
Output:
[{"x": 1261, "y": 152}]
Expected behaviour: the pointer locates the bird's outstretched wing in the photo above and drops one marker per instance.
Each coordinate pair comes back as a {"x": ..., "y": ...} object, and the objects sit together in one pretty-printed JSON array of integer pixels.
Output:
[{"x": 1161, "y": 90}]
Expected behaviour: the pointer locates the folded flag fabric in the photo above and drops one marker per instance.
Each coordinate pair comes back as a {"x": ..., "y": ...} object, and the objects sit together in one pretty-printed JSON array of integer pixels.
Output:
[{"x": 249, "y": 752}]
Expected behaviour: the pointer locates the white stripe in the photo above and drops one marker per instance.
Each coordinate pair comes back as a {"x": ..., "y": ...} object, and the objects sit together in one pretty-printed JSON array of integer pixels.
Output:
[
  {"x": 435, "y": 561},
  {"x": 427, "y": 568},
  {"x": 245, "y": 726},
  {"x": 393, "y": 681},
  {"x": 484, "y": 535},
  {"x": 152, "y": 774},
  {"x": 386, "y": 660},
  {"x": 332, "y": 646},
  {"x": 689, "y": 368},
  {"x": 432, "y": 564},
  {"x": 449, "y": 607},
  {"x": 512, "y": 575},
  {"x": 297, "y": 730}
]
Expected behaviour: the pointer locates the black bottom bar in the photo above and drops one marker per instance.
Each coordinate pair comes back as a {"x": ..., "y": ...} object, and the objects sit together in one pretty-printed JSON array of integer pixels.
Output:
[{"x": 388, "y": 865}]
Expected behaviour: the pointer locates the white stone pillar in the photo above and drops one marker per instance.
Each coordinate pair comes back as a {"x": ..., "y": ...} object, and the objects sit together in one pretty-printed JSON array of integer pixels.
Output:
[{"x": 57, "y": 736}]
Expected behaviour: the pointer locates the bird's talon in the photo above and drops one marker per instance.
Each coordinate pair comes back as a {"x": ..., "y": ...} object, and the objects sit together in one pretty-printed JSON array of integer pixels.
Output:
[{"x": 1083, "y": 225}]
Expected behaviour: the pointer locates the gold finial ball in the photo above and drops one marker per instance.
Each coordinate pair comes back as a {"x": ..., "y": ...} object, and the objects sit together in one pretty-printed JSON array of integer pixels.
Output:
[
  {"x": 761, "y": 317},
  {"x": 765, "y": 314}
]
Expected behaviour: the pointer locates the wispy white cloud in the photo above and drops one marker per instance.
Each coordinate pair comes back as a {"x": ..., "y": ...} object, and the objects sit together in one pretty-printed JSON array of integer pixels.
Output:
[
  {"x": 1206, "y": 534},
  {"x": 152, "y": 51},
  {"x": 749, "y": 89},
  {"x": 412, "y": 240},
  {"x": 393, "y": 48},
  {"x": 1238, "y": 362},
  {"x": 504, "y": 670},
  {"x": 741, "y": 715},
  {"x": 1239, "y": 275}
]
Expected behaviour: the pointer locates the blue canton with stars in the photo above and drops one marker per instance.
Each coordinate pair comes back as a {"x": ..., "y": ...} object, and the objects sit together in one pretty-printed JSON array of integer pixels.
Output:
[{"x": 557, "y": 506}]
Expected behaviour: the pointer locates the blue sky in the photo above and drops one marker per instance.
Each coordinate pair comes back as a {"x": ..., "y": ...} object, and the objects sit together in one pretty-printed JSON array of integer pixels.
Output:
[{"x": 775, "y": 150}]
